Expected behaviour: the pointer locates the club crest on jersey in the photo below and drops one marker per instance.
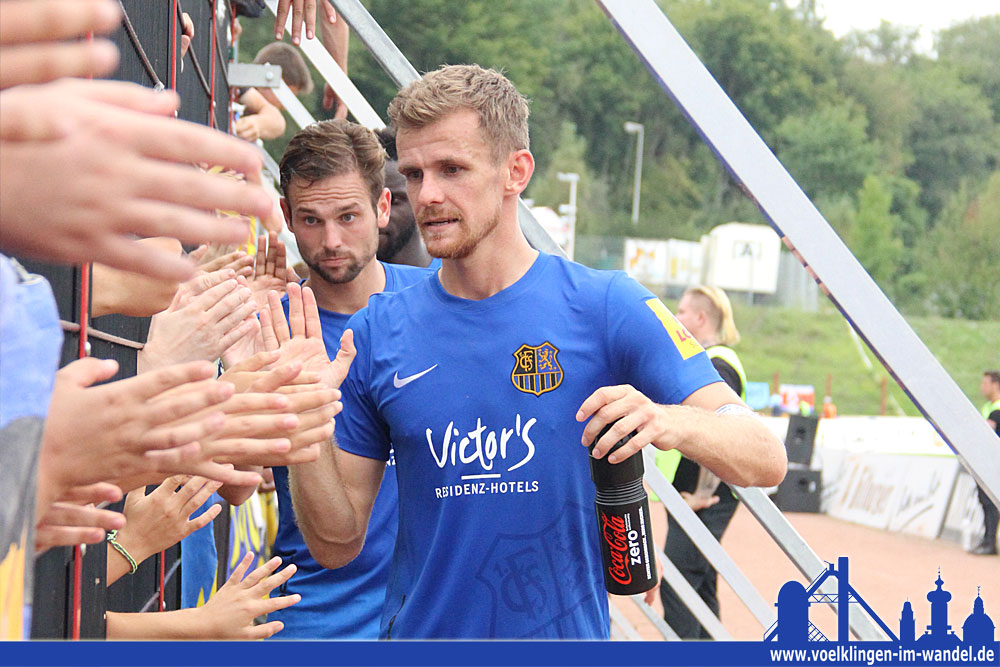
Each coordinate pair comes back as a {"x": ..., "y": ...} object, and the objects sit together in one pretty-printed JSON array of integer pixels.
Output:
[{"x": 536, "y": 368}]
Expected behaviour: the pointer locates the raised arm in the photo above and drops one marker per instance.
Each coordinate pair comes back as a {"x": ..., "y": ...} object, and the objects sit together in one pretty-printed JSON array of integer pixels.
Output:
[
  {"x": 332, "y": 495},
  {"x": 335, "y": 36},
  {"x": 333, "y": 500},
  {"x": 733, "y": 443}
]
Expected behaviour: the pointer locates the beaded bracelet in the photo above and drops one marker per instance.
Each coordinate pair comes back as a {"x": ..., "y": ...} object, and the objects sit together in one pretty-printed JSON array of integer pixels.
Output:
[{"x": 122, "y": 550}]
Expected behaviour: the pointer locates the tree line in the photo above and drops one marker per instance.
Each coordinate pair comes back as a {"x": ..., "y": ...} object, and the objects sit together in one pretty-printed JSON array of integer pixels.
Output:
[{"x": 900, "y": 150}]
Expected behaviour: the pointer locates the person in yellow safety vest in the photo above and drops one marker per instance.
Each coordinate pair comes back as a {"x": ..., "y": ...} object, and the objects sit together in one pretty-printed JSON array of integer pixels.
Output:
[
  {"x": 990, "y": 387},
  {"x": 708, "y": 316}
]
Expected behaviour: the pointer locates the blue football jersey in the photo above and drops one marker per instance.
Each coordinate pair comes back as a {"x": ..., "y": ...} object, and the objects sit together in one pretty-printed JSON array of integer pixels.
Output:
[
  {"x": 345, "y": 603},
  {"x": 497, "y": 528}
]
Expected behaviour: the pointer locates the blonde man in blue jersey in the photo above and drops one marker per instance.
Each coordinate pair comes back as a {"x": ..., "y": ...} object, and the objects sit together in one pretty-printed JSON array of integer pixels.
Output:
[{"x": 483, "y": 377}]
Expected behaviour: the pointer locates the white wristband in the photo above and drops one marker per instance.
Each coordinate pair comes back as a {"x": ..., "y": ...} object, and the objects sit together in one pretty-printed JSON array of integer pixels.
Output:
[{"x": 734, "y": 409}]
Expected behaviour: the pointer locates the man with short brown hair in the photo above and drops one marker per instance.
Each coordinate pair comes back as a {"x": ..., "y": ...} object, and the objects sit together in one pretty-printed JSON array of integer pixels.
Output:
[{"x": 335, "y": 203}]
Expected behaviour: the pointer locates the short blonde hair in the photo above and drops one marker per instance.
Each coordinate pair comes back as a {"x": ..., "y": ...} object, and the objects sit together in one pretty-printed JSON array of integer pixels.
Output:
[
  {"x": 503, "y": 112},
  {"x": 719, "y": 310}
]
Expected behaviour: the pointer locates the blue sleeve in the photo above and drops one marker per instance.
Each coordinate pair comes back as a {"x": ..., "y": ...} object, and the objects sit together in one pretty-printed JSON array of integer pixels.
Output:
[
  {"x": 360, "y": 430},
  {"x": 650, "y": 349}
]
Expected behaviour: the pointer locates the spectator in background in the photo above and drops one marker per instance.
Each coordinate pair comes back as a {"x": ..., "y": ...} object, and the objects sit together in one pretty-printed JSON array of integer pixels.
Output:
[
  {"x": 990, "y": 387},
  {"x": 262, "y": 117},
  {"x": 294, "y": 71},
  {"x": 398, "y": 241},
  {"x": 708, "y": 316}
]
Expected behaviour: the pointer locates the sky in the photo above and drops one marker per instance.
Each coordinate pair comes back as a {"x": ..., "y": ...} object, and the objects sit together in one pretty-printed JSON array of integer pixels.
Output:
[{"x": 843, "y": 16}]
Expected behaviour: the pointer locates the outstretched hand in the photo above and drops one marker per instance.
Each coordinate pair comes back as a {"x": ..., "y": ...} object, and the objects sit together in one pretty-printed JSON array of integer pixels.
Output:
[
  {"x": 270, "y": 271},
  {"x": 159, "y": 520},
  {"x": 122, "y": 162},
  {"x": 125, "y": 426},
  {"x": 40, "y": 39},
  {"x": 300, "y": 337},
  {"x": 230, "y": 613},
  {"x": 212, "y": 257},
  {"x": 75, "y": 520},
  {"x": 207, "y": 316},
  {"x": 302, "y": 10},
  {"x": 312, "y": 403}
]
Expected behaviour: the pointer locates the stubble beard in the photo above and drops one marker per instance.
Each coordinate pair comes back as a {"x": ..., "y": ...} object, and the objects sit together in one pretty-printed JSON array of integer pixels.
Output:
[
  {"x": 396, "y": 242},
  {"x": 463, "y": 246},
  {"x": 344, "y": 274}
]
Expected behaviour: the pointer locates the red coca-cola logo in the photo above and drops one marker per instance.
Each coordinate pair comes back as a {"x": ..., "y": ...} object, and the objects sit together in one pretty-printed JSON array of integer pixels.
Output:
[{"x": 613, "y": 529}]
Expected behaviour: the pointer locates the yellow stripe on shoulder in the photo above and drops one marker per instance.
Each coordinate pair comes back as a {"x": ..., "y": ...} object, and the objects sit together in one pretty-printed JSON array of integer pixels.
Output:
[{"x": 683, "y": 340}]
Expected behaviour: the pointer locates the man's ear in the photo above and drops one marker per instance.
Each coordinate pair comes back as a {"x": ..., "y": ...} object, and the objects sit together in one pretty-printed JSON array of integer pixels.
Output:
[
  {"x": 286, "y": 212},
  {"x": 383, "y": 207},
  {"x": 520, "y": 167}
]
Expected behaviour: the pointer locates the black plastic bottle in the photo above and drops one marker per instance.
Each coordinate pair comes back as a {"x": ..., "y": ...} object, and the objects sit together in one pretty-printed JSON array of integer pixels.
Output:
[{"x": 623, "y": 521}]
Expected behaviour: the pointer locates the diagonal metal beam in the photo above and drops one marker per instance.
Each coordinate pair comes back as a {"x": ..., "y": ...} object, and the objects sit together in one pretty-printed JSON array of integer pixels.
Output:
[
  {"x": 801, "y": 555},
  {"x": 654, "y": 618},
  {"x": 724, "y": 129},
  {"x": 389, "y": 57},
  {"x": 706, "y": 543},
  {"x": 689, "y": 596},
  {"x": 332, "y": 74},
  {"x": 293, "y": 106}
]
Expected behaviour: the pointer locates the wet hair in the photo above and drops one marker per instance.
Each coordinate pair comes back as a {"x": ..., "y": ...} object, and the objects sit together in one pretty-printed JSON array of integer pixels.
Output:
[
  {"x": 502, "y": 111},
  {"x": 330, "y": 148},
  {"x": 716, "y": 305},
  {"x": 294, "y": 71}
]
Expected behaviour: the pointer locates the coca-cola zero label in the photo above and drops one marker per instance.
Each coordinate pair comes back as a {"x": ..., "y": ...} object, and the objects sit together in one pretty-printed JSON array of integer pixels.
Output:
[{"x": 625, "y": 547}]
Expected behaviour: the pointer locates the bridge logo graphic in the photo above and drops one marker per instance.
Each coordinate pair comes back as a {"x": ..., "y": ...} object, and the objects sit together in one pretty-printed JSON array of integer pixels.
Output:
[{"x": 939, "y": 643}]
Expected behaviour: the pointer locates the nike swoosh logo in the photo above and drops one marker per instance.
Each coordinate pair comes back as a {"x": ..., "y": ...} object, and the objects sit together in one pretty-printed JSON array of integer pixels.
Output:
[{"x": 399, "y": 382}]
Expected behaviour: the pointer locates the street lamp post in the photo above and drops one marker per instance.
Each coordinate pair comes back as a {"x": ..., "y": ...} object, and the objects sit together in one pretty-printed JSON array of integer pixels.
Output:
[
  {"x": 569, "y": 210},
  {"x": 636, "y": 129}
]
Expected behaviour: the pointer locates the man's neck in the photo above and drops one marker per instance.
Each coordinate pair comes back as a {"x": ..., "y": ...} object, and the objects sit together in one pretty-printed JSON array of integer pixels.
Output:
[
  {"x": 412, "y": 253},
  {"x": 348, "y": 298}
]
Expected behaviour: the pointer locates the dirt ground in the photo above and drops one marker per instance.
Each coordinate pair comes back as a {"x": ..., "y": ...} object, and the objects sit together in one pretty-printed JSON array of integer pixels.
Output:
[{"x": 886, "y": 569}]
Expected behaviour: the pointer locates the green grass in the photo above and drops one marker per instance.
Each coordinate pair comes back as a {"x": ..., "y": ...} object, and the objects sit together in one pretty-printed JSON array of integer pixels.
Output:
[{"x": 803, "y": 348}]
